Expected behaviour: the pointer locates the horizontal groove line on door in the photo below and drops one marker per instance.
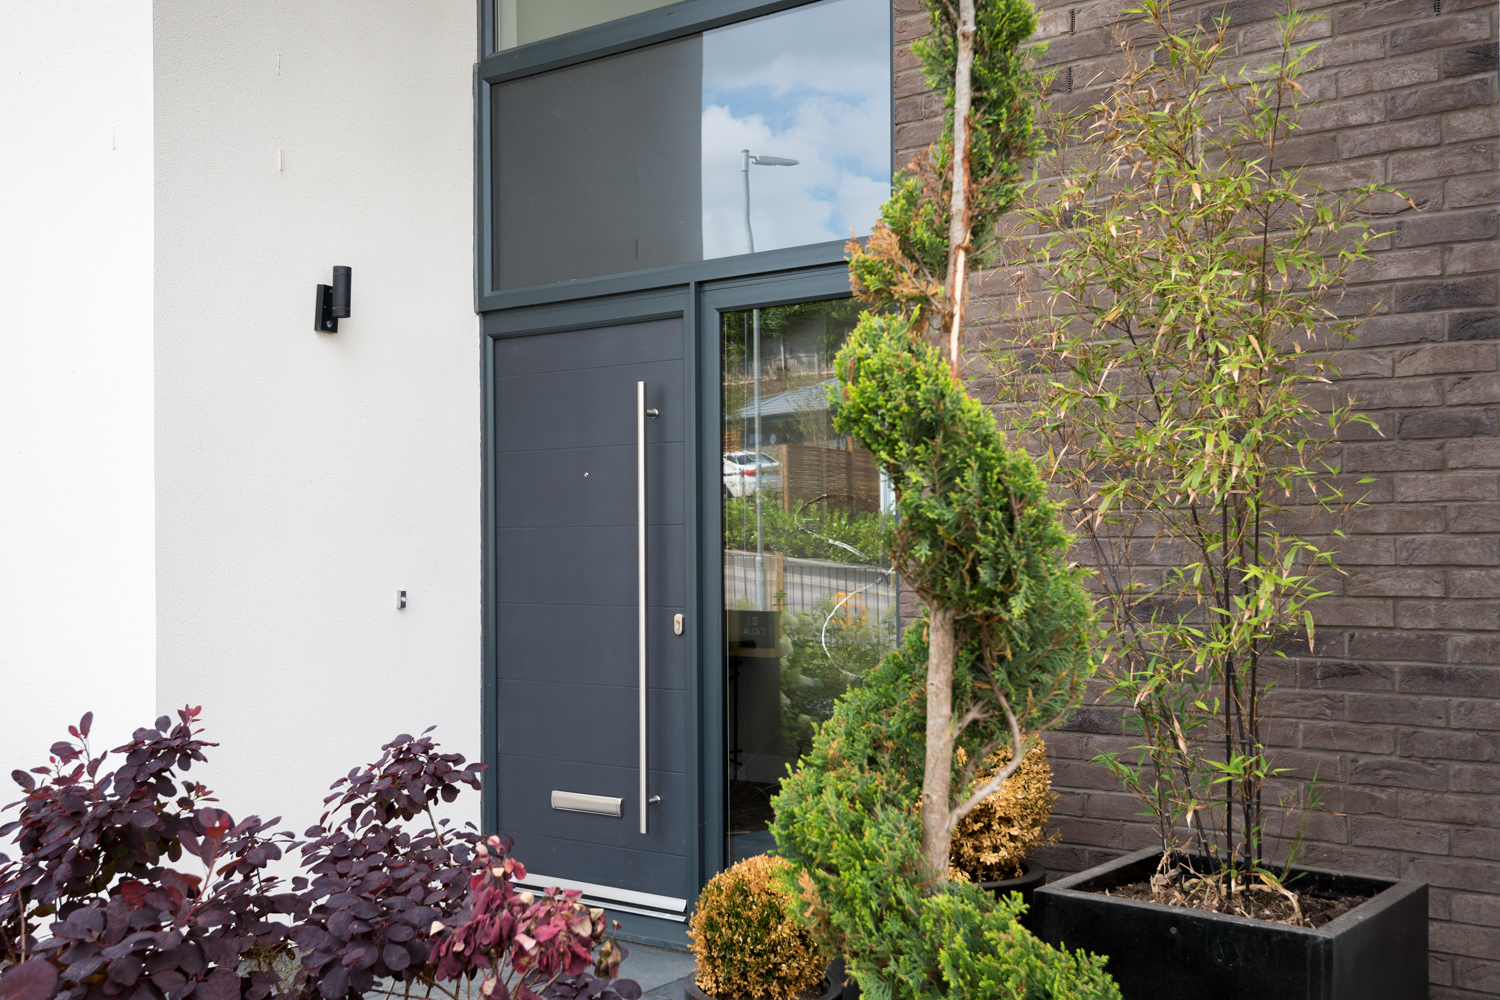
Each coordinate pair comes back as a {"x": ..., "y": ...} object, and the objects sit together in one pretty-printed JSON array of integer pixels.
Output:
[
  {"x": 590, "y": 843},
  {"x": 587, "y": 762},
  {"x": 502, "y": 376},
  {"x": 585, "y": 684},
  {"x": 591, "y": 684},
  {"x": 574, "y": 604},
  {"x": 616, "y": 767},
  {"x": 513, "y": 526},
  {"x": 522, "y": 679},
  {"x": 503, "y": 525},
  {"x": 582, "y": 447},
  {"x": 628, "y": 446}
]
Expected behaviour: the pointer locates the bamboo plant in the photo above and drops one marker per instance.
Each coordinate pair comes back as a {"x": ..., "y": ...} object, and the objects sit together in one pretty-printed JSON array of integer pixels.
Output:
[{"x": 1179, "y": 293}]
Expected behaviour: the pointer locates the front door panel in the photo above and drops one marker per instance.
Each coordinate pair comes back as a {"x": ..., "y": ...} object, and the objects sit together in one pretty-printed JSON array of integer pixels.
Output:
[{"x": 566, "y": 611}]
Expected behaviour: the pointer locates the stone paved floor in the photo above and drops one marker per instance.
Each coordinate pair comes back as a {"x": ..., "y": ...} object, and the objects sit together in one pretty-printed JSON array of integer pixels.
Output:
[{"x": 661, "y": 973}]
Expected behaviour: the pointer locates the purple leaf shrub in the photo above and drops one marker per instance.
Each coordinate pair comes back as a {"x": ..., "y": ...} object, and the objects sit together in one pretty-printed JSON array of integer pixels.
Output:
[
  {"x": 33, "y": 979},
  {"x": 526, "y": 946},
  {"x": 376, "y": 886},
  {"x": 126, "y": 888},
  {"x": 152, "y": 895}
]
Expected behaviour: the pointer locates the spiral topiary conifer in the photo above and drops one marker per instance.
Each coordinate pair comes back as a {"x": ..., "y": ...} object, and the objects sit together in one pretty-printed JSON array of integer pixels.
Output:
[
  {"x": 978, "y": 539},
  {"x": 1005, "y": 645}
]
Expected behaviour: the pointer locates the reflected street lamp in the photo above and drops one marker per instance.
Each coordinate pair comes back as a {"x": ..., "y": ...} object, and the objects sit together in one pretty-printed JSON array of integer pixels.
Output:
[
  {"x": 760, "y": 538},
  {"x": 764, "y": 161}
]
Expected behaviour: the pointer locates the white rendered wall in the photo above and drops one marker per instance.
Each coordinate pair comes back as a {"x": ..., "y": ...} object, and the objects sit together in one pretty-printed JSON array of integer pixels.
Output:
[
  {"x": 303, "y": 478},
  {"x": 77, "y": 587}
]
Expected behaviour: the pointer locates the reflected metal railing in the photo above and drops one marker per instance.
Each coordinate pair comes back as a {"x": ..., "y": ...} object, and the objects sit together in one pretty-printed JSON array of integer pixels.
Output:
[{"x": 807, "y": 585}]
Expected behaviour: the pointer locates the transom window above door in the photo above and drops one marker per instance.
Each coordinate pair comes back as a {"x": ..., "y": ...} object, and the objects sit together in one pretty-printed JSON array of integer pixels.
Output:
[
  {"x": 520, "y": 21},
  {"x": 763, "y": 134}
]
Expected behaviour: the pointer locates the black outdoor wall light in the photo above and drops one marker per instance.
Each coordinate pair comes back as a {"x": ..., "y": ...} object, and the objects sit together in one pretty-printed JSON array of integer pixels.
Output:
[{"x": 332, "y": 303}]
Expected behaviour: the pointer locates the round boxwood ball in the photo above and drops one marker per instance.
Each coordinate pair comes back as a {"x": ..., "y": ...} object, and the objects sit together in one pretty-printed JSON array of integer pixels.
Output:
[{"x": 745, "y": 939}]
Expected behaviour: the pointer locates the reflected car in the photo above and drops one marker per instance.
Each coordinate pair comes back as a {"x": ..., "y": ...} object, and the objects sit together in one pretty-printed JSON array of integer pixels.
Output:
[{"x": 743, "y": 475}]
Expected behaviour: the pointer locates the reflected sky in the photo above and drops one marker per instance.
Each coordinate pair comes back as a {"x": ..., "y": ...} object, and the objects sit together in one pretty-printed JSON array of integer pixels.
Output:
[{"x": 813, "y": 84}]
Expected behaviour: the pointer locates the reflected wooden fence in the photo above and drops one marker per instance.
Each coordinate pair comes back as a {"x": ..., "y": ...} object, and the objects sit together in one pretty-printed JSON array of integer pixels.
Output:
[{"x": 840, "y": 478}]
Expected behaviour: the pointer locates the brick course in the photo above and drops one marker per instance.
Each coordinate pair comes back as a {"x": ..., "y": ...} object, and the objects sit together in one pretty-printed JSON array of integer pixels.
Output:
[{"x": 1397, "y": 709}]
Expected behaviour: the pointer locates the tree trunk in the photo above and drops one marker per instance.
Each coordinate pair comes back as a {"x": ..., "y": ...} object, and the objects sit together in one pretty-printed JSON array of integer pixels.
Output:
[
  {"x": 937, "y": 775},
  {"x": 958, "y": 209}
]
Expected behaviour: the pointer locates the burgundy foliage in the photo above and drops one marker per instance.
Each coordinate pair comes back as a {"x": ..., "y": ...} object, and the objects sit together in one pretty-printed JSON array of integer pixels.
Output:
[
  {"x": 126, "y": 888},
  {"x": 527, "y": 946},
  {"x": 376, "y": 887},
  {"x": 33, "y": 979},
  {"x": 100, "y": 856}
]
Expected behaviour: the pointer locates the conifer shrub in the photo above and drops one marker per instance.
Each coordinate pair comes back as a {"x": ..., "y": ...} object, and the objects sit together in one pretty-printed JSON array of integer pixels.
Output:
[
  {"x": 845, "y": 820},
  {"x": 746, "y": 938},
  {"x": 868, "y": 818},
  {"x": 976, "y": 523},
  {"x": 989, "y": 843}
]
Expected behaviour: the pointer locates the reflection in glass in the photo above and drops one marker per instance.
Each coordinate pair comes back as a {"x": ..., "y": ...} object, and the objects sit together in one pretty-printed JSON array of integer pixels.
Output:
[
  {"x": 772, "y": 132},
  {"x": 809, "y": 597},
  {"x": 811, "y": 84}
]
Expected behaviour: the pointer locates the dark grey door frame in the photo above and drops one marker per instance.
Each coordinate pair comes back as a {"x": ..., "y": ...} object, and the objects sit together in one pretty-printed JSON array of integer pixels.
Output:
[
  {"x": 698, "y": 292},
  {"x": 699, "y": 304}
]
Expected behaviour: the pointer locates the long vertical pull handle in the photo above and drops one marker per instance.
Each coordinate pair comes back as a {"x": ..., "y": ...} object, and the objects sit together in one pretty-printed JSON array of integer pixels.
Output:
[{"x": 640, "y": 575}]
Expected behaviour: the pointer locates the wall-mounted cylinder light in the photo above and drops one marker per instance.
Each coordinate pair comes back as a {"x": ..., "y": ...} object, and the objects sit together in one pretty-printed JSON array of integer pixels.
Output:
[{"x": 332, "y": 302}]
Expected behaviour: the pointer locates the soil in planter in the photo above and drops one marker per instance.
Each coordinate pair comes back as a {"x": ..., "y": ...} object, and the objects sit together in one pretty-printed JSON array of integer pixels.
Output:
[{"x": 1258, "y": 902}]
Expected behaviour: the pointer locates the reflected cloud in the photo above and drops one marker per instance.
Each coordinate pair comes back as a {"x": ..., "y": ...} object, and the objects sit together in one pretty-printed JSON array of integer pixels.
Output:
[{"x": 813, "y": 84}]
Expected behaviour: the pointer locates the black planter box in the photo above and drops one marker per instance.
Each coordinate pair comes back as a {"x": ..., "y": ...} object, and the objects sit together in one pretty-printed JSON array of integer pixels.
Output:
[{"x": 1376, "y": 951}]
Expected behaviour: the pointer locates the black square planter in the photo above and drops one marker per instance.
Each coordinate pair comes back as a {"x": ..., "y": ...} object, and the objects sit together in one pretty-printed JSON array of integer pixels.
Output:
[{"x": 1376, "y": 951}]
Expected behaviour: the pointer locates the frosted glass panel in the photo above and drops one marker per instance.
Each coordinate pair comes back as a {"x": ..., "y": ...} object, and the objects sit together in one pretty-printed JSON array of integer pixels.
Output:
[
  {"x": 596, "y": 167},
  {"x": 520, "y": 21},
  {"x": 811, "y": 84}
]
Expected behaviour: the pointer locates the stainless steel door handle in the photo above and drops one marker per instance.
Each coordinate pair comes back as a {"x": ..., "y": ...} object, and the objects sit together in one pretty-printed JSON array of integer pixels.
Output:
[{"x": 640, "y": 562}]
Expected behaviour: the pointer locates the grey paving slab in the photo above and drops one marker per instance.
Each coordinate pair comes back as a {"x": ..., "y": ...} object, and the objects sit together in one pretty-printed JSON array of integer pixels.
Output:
[
  {"x": 675, "y": 990},
  {"x": 656, "y": 969}
]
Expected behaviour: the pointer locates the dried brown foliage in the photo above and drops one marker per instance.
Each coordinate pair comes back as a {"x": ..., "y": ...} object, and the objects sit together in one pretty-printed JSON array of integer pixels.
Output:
[
  {"x": 745, "y": 936},
  {"x": 989, "y": 843}
]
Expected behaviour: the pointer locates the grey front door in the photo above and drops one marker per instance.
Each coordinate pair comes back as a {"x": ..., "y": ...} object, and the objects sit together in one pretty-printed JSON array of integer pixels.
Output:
[{"x": 567, "y": 586}]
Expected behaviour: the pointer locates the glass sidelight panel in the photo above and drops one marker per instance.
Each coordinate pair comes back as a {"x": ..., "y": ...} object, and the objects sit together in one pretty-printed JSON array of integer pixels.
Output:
[{"x": 810, "y": 601}]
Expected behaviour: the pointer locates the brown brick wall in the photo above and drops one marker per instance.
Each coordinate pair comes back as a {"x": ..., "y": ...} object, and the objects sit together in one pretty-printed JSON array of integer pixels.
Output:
[{"x": 1398, "y": 708}]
